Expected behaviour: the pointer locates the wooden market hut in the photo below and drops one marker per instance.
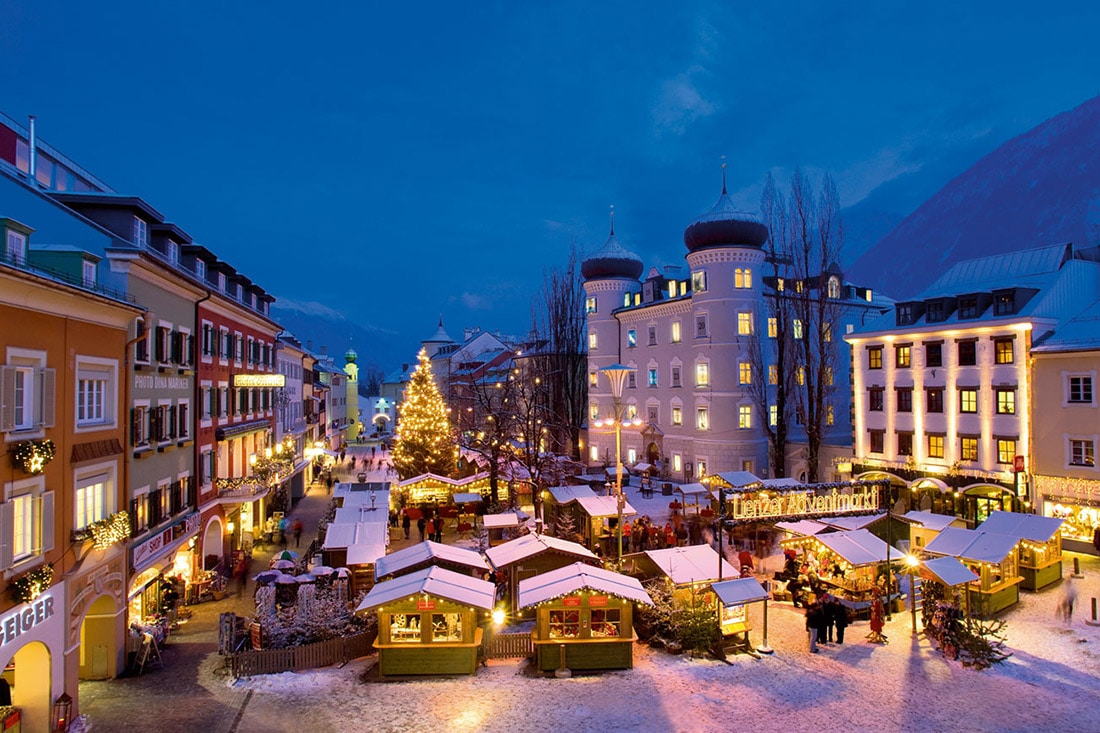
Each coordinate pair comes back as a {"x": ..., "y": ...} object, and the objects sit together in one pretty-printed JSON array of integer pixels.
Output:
[
  {"x": 733, "y": 618},
  {"x": 356, "y": 546},
  {"x": 693, "y": 496},
  {"x": 924, "y": 526},
  {"x": 563, "y": 500},
  {"x": 429, "y": 489},
  {"x": 431, "y": 554},
  {"x": 531, "y": 555},
  {"x": 498, "y": 525},
  {"x": 1040, "y": 549},
  {"x": 598, "y": 517},
  {"x": 428, "y": 622},
  {"x": 857, "y": 554},
  {"x": 686, "y": 569},
  {"x": 584, "y": 617},
  {"x": 993, "y": 557}
]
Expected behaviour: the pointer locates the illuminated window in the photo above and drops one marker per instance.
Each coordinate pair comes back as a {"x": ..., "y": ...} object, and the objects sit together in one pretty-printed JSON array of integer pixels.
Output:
[
  {"x": 592, "y": 341},
  {"x": 593, "y": 378},
  {"x": 702, "y": 374},
  {"x": 834, "y": 287},
  {"x": 632, "y": 455},
  {"x": 797, "y": 327},
  {"x": 626, "y": 300},
  {"x": 652, "y": 377},
  {"x": 745, "y": 372},
  {"x": 675, "y": 336},
  {"x": 874, "y": 357},
  {"x": 827, "y": 331},
  {"x": 606, "y": 623},
  {"x": 677, "y": 415},
  {"x": 902, "y": 355},
  {"x": 1002, "y": 350},
  {"x": 798, "y": 286},
  {"x": 702, "y": 418},
  {"x": 828, "y": 376},
  {"x": 699, "y": 282},
  {"x": 968, "y": 400},
  {"x": 702, "y": 464},
  {"x": 935, "y": 446},
  {"x": 631, "y": 412},
  {"x": 830, "y": 415},
  {"x": 25, "y": 524},
  {"x": 1006, "y": 450},
  {"x": 773, "y": 415},
  {"x": 590, "y": 304},
  {"x": 742, "y": 278},
  {"x": 677, "y": 462},
  {"x": 968, "y": 448},
  {"x": 447, "y": 627},
  {"x": 744, "y": 416},
  {"x": 800, "y": 376},
  {"x": 593, "y": 453},
  {"x": 780, "y": 284},
  {"x": 773, "y": 374},
  {"x": 744, "y": 324},
  {"x": 92, "y": 498},
  {"x": 1082, "y": 453},
  {"x": 405, "y": 628},
  {"x": 631, "y": 339},
  {"x": 1006, "y": 402},
  {"x": 773, "y": 327},
  {"x": 594, "y": 411}
]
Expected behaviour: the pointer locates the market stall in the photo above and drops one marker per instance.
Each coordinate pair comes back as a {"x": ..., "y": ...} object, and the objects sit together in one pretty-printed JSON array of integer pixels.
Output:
[
  {"x": 584, "y": 617},
  {"x": 992, "y": 557},
  {"x": 431, "y": 554},
  {"x": 687, "y": 569},
  {"x": 530, "y": 555},
  {"x": 734, "y": 597},
  {"x": 428, "y": 622},
  {"x": 501, "y": 527},
  {"x": 924, "y": 526},
  {"x": 844, "y": 564},
  {"x": 599, "y": 515},
  {"x": 1040, "y": 548},
  {"x": 693, "y": 497}
]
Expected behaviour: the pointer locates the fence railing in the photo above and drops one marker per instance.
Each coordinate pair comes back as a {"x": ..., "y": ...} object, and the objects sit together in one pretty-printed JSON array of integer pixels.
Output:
[
  {"x": 308, "y": 656},
  {"x": 503, "y": 646}
]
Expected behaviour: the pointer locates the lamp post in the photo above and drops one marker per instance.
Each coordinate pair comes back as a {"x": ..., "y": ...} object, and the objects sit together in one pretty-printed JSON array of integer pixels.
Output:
[
  {"x": 616, "y": 375},
  {"x": 912, "y": 562}
]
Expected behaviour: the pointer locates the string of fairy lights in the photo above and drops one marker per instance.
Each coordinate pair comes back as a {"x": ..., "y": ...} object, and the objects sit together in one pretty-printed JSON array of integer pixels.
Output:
[{"x": 424, "y": 441}]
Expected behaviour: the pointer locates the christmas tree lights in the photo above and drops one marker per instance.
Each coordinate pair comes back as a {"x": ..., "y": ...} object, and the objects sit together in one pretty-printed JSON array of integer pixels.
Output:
[{"x": 424, "y": 443}]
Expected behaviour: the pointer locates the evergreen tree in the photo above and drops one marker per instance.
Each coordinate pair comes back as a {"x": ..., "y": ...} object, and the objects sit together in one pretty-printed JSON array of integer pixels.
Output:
[{"x": 424, "y": 442}]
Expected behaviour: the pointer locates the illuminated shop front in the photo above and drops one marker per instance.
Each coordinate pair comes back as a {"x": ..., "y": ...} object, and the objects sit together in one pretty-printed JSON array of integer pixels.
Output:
[
  {"x": 32, "y": 636},
  {"x": 1075, "y": 501}
]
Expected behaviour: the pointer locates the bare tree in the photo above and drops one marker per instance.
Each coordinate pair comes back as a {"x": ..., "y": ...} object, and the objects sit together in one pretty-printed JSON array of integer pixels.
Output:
[{"x": 485, "y": 403}]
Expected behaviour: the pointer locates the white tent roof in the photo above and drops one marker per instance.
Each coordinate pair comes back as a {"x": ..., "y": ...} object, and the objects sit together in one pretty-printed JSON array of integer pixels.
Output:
[
  {"x": 739, "y": 591},
  {"x": 643, "y": 466},
  {"x": 739, "y": 479},
  {"x": 366, "y": 554},
  {"x": 426, "y": 552},
  {"x": 692, "y": 564},
  {"x": 693, "y": 489},
  {"x": 949, "y": 571},
  {"x": 499, "y": 521},
  {"x": 970, "y": 544},
  {"x": 1022, "y": 526},
  {"x": 356, "y": 514},
  {"x": 524, "y": 547},
  {"x": 438, "y": 582},
  {"x": 567, "y": 494},
  {"x": 803, "y": 527},
  {"x": 858, "y": 547},
  {"x": 362, "y": 498},
  {"x": 852, "y": 522},
  {"x": 604, "y": 506},
  {"x": 578, "y": 577},
  {"x": 466, "y": 498},
  {"x": 355, "y": 533},
  {"x": 934, "y": 522}
]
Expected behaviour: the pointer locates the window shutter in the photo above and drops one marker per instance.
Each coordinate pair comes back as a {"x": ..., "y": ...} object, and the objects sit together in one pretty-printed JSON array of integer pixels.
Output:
[
  {"x": 7, "y": 399},
  {"x": 7, "y": 532},
  {"x": 154, "y": 423},
  {"x": 176, "y": 339},
  {"x": 46, "y": 509},
  {"x": 172, "y": 412},
  {"x": 49, "y": 397}
]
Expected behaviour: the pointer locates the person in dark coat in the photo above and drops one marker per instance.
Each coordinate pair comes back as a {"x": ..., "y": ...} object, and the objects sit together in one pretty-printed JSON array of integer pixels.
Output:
[
  {"x": 795, "y": 587},
  {"x": 406, "y": 523},
  {"x": 420, "y": 525},
  {"x": 437, "y": 525},
  {"x": 824, "y": 620},
  {"x": 839, "y": 614},
  {"x": 813, "y": 621}
]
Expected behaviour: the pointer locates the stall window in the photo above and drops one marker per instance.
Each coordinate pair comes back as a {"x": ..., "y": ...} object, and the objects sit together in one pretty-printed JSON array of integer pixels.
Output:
[
  {"x": 405, "y": 627},
  {"x": 446, "y": 627},
  {"x": 606, "y": 623},
  {"x": 565, "y": 624}
]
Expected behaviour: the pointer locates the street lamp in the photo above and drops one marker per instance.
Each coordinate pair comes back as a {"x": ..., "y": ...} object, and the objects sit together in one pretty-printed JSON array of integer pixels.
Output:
[
  {"x": 912, "y": 561},
  {"x": 616, "y": 375}
]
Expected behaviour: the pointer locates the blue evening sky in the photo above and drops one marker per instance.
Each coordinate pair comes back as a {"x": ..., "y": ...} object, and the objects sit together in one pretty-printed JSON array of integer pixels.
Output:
[{"x": 397, "y": 161}]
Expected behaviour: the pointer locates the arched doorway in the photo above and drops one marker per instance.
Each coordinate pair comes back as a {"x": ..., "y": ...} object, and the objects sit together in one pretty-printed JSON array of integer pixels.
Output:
[
  {"x": 652, "y": 454},
  {"x": 984, "y": 499},
  {"x": 98, "y": 642},
  {"x": 933, "y": 495},
  {"x": 896, "y": 497},
  {"x": 212, "y": 546},
  {"x": 30, "y": 686}
]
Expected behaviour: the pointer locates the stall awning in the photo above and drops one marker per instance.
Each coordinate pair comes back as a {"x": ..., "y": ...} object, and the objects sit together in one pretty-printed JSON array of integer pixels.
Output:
[
  {"x": 466, "y": 498},
  {"x": 739, "y": 591},
  {"x": 438, "y": 582},
  {"x": 970, "y": 544},
  {"x": 428, "y": 552},
  {"x": 367, "y": 554},
  {"x": 568, "y": 494},
  {"x": 575, "y": 578},
  {"x": 363, "y": 513},
  {"x": 803, "y": 527},
  {"x": 527, "y": 546},
  {"x": 736, "y": 480},
  {"x": 340, "y": 535},
  {"x": 858, "y": 547},
  {"x": 244, "y": 428},
  {"x": 1022, "y": 526},
  {"x": 860, "y": 521},
  {"x": 928, "y": 520},
  {"x": 692, "y": 564},
  {"x": 642, "y": 467},
  {"x": 949, "y": 571},
  {"x": 599, "y": 507},
  {"x": 692, "y": 489},
  {"x": 500, "y": 521}
]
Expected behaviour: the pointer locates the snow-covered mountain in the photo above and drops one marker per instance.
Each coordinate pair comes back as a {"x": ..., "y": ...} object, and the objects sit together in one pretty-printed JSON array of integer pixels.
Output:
[
  {"x": 1039, "y": 188},
  {"x": 316, "y": 325}
]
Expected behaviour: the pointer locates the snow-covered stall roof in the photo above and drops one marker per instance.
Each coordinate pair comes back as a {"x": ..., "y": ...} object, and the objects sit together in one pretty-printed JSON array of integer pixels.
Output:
[
  {"x": 692, "y": 564},
  {"x": 361, "y": 513},
  {"x": 803, "y": 527},
  {"x": 692, "y": 489},
  {"x": 427, "y": 552},
  {"x": 568, "y": 494},
  {"x": 466, "y": 498},
  {"x": 780, "y": 483},
  {"x": 970, "y": 544},
  {"x": 438, "y": 582},
  {"x": 1022, "y": 526},
  {"x": 527, "y": 546},
  {"x": 604, "y": 506},
  {"x": 858, "y": 547},
  {"x": 339, "y": 535},
  {"x": 859, "y": 521},
  {"x": 500, "y": 521},
  {"x": 577, "y": 577},
  {"x": 366, "y": 554},
  {"x": 739, "y": 479},
  {"x": 642, "y": 467},
  {"x": 354, "y": 499},
  {"x": 739, "y": 591},
  {"x": 928, "y": 520},
  {"x": 949, "y": 571}
]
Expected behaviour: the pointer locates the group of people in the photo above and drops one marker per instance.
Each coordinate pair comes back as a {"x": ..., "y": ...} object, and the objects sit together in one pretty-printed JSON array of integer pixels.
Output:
[
  {"x": 430, "y": 526},
  {"x": 826, "y": 619}
]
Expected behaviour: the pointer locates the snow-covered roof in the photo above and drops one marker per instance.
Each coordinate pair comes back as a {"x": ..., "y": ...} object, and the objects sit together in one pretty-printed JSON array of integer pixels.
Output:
[
  {"x": 438, "y": 582},
  {"x": 577, "y": 577},
  {"x": 643, "y": 466},
  {"x": 427, "y": 552},
  {"x": 970, "y": 544},
  {"x": 692, "y": 564},
  {"x": 780, "y": 483},
  {"x": 355, "y": 533},
  {"x": 739, "y": 591},
  {"x": 949, "y": 571},
  {"x": 739, "y": 479},
  {"x": 463, "y": 498},
  {"x": 998, "y": 271},
  {"x": 568, "y": 494},
  {"x": 693, "y": 489},
  {"x": 1022, "y": 526},
  {"x": 858, "y": 521},
  {"x": 928, "y": 520},
  {"x": 803, "y": 527},
  {"x": 604, "y": 506},
  {"x": 366, "y": 554},
  {"x": 500, "y": 521},
  {"x": 1080, "y": 333},
  {"x": 858, "y": 547},
  {"x": 361, "y": 513},
  {"x": 354, "y": 499},
  {"x": 527, "y": 546}
]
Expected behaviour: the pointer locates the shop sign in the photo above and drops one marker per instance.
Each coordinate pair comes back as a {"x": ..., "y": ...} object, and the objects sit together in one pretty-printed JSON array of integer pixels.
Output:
[
  {"x": 571, "y": 601},
  {"x": 596, "y": 601},
  {"x": 25, "y": 618},
  {"x": 1018, "y": 464},
  {"x": 425, "y": 604},
  {"x": 802, "y": 503},
  {"x": 148, "y": 550},
  {"x": 160, "y": 383},
  {"x": 259, "y": 380}
]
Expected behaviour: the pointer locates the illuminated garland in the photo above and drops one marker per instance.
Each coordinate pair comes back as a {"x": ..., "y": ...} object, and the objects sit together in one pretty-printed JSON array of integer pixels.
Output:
[
  {"x": 106, "y": 532},
  {"x": 33, "y": 455},
  {"x": 28, "y": 587}
]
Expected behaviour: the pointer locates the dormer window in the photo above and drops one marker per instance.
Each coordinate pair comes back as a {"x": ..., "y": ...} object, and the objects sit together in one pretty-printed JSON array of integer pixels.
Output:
[
  {"x": 172, "y": 251},
  {"x": 1004, "y": 304},
  {"x": 16, "y": 251},
  {"x": 834, "y": 287},
  {"x": 88, "y": 274},
  {"x": 934, "y": 311},
  {"x": 221, "y": 281},
  {"x": 968, "y": 307},
  {"x": 141, "y": 232},
  {"x": 200, "y": 269},
  {"x": 905, "y": 314}
]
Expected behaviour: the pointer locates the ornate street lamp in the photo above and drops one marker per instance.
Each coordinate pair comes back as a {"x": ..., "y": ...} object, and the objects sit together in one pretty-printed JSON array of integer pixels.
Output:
[{"x": 616, "y": 375}]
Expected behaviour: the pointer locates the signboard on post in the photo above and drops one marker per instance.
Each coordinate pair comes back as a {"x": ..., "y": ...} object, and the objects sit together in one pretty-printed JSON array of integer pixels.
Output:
[{"x": 1018, "y": 464}]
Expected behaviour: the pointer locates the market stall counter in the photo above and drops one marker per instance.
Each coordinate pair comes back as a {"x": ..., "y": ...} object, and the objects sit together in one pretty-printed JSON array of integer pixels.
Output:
[{"x": 844, "y": 564}]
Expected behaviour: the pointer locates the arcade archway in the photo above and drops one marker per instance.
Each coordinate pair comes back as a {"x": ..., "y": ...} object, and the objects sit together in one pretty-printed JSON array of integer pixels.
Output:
[
  {"x": 28, "y": 673},
  {"x": 98, "y": 640},
  {"x": 213, "y": 548}
]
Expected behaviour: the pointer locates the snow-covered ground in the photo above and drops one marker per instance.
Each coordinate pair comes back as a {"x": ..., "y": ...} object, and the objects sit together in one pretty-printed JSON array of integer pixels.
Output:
[{"x": 1052, "y": 682}]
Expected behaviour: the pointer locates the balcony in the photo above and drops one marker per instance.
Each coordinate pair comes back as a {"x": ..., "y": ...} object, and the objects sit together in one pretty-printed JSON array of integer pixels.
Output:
[{"x": 244, "y": 487}]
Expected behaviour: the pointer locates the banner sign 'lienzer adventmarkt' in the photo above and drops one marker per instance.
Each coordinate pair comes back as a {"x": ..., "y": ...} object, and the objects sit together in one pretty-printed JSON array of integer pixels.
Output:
[{"x": 862, "y": 499}]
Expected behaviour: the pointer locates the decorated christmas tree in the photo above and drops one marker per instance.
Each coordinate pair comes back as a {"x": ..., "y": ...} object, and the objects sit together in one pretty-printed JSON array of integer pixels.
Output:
[{"x": 424, "y": 442}]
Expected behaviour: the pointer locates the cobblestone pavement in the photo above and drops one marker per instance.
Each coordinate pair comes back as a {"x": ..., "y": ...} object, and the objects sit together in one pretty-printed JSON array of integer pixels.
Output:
[{"x": 189, "y": 691}]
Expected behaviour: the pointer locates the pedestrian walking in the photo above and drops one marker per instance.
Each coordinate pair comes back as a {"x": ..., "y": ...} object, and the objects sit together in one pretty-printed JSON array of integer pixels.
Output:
[
  {"x": 372, "y": 449},
  {"x": 297, "y": 528},
  {"x": 437, "y": 524},
  {"x": 420, "y": 525},
  {"x": 1066, "y": 599},
  {"x": 840, "y": 617},
  {"x": 813, "y": 613},
  {"x": 406, "y": 522},
  {"x": 282, "y": 532},
  {"x": 878, "y": 618},
  {"x": 826, "y": 631},
  {"x": 241, "y": 571}
]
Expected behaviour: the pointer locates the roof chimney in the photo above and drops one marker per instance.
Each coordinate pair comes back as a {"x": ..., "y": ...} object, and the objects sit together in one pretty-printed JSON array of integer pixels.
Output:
[{"x": 32, "y": 164}]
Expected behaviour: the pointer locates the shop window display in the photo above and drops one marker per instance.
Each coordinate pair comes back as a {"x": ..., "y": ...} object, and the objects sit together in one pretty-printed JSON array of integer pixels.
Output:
[
  {"x": 565, "y": 624},
  {"x": 606, "y": 623},
  {"x": 405, "y": 627},
  {"x": 446, "y": 627}
]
